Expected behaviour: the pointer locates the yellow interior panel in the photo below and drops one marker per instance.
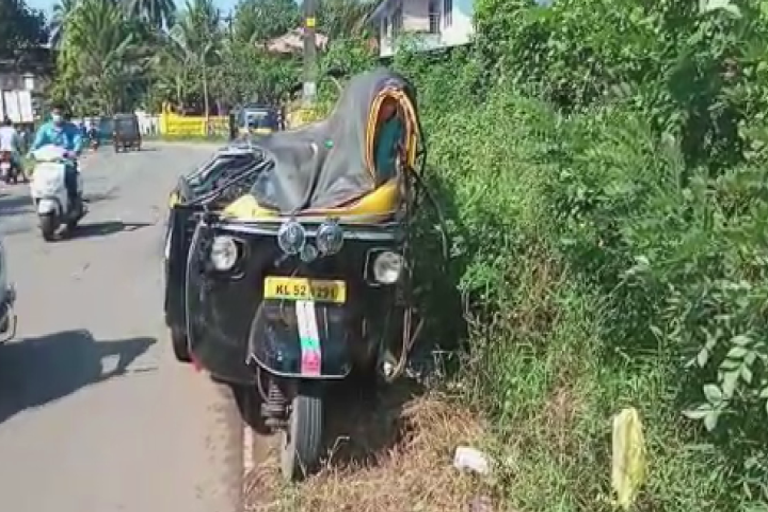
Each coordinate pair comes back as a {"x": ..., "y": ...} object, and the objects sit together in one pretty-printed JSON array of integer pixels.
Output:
[{"x": 384, "y": 200}]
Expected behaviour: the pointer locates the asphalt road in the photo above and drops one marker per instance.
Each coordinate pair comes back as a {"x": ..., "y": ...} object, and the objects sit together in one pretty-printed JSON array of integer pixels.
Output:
[{"x": 95, "y": 414}]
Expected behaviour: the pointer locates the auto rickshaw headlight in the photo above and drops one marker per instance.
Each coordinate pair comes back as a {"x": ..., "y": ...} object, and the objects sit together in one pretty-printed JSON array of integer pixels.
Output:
[
  {"x": 387, "y": 267},
  {"x": 330, "y": 238},
  {"x": 291, "y": 237},
  {"x": 224, "y": 253}
]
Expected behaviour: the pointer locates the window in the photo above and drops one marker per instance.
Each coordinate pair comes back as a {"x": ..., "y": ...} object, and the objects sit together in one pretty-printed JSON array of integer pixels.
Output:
[
  {"x": 434, "y": 16},
  {"x": 397, "y": 20},
  {"x": 447, "y": 13}
]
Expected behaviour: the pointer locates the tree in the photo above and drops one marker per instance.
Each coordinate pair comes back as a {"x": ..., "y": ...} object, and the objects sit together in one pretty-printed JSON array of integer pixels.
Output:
[
  {"x": 101, "y": 57},
  {"x": 260, "y": 20},
  {"x": 197, "y": 35},
  {"x": 158, "y": 13},
  {"x": 21, "y": 29},
  {"x": 343, "y": 18}
]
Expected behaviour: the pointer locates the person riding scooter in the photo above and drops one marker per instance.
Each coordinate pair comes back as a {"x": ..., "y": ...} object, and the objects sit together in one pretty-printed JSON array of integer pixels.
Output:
[
  {"x": 10, "y": 142},
  {"x": 60, "y": 132}
]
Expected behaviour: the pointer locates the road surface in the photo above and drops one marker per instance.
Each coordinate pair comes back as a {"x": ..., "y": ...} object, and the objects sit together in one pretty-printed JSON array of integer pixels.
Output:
[{"x": 95, "y": 414}]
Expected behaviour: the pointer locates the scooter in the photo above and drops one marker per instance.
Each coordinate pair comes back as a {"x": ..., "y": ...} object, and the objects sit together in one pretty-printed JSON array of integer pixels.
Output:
[
  {"x": 49, "y": 191},
  {"x": 9, "y": 172}
]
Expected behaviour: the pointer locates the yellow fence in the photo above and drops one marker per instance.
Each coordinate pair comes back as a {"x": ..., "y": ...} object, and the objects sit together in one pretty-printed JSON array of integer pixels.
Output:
[{"x": 189, "y": 126}]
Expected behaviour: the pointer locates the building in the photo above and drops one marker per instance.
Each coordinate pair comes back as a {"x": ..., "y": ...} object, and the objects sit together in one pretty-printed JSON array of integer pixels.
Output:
[{"x": 432, "y": 24}]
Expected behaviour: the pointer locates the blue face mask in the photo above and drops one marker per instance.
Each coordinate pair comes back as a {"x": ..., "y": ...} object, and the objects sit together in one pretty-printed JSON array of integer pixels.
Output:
[{"x": 57, "y": 118}]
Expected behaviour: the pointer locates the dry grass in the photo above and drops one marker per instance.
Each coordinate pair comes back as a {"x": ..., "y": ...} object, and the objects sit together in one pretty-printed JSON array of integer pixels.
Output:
[{"x": 395, "y": 456}]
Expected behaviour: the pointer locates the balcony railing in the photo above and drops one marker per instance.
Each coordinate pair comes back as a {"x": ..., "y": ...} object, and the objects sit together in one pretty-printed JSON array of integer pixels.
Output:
[{"x": 434, "y": 23}]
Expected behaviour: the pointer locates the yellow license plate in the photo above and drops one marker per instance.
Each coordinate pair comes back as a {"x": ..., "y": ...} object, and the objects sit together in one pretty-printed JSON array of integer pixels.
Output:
[{"x": 297, "y": 288}]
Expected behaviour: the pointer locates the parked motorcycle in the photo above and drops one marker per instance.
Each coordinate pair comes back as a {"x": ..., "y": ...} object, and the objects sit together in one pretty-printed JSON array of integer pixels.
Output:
[
  {"x": 9, "y": 171},
  {"x": 49, "y": 191}
]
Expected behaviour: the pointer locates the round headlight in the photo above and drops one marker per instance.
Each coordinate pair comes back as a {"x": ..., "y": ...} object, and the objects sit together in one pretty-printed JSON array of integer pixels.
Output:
[
  {"x": 330, "y": 238},
  {"x": 387, "y": 267},
  {"x": 223, "y": 253},
  {"x": 291, "y": 237}
]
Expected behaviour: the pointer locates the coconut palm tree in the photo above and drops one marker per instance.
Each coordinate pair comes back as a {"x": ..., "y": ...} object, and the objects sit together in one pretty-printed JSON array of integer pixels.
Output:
[
  {"x": 109, "y": 54},
  {"x": 158, "y": 13},
  {"x": 197, "y": 36},
  {"x": 61, "y": 12}
]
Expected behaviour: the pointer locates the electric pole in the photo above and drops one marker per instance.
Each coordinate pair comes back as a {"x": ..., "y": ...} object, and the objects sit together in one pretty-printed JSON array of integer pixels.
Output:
[{"x": 310, "y": 53}]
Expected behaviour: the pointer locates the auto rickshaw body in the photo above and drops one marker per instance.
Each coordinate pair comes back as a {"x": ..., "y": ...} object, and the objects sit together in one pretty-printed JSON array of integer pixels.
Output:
[
  {"x": 289, "y": 260},
  {"x": 126, "y": 133}
]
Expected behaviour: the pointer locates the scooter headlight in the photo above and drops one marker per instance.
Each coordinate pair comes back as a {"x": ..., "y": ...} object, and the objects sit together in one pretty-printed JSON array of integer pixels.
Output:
[
  {"x": 224, "y": 253},
  {"x": 387, "y": 267},
  {"x": 330, "y": 238},
  {"x": 291, "y": 237}
]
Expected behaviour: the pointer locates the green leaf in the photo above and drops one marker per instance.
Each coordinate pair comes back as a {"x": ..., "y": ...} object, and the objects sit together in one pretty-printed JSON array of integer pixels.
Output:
[
  {"x": 741, "y": 340},
  {"x": 710, "y": 420},
  {"x": 737, "y": 353},
  {"x": 730, "y": 379},
  {"x": 698, "y": 413},
  {"x": 703, "y": 357},
  {"x": 713, "y": 394},
  {"x": 746, "y": 374},
  {"x": 764, "y": 393}
]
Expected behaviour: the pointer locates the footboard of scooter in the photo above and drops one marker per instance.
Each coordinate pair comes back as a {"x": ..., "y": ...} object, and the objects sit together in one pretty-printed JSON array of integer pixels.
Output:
[{"x": 301, "y": 339}]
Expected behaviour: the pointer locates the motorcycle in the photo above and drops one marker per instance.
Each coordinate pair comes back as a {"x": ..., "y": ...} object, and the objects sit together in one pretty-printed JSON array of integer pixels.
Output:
[
  {"x": 93, "y": 138},
  {"x": 49, "y": 191},
  {"x": 9, "y": 172}
]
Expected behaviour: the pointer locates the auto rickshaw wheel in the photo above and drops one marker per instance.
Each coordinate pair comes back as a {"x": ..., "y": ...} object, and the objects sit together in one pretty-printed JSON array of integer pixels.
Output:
[
  {"x": 180, "y": 344},
  {"x": 302, "y": 440}
]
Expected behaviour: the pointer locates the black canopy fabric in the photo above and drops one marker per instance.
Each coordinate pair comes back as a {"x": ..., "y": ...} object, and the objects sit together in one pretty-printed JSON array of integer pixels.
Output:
[{"x": 323, "y": 165}]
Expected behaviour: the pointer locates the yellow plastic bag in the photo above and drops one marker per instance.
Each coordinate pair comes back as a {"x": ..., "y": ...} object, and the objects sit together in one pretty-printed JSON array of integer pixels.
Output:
[{"x": 628, "y": 468}]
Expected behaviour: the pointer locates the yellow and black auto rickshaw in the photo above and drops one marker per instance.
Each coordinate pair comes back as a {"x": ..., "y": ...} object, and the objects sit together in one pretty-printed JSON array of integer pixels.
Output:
[
  {"x": 289, "y": 260},
  {"x": 255, "y": 119}
]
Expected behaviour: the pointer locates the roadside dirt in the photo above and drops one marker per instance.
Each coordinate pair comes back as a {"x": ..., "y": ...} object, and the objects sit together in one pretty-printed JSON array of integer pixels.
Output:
[{"x": 391, "y": 453}]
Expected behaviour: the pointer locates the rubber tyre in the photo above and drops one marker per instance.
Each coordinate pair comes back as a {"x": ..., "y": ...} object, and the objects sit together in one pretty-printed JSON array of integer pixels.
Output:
[
  {"x": 72, "y": 224},
  {"x": 48, "y": 227},
  {"x": 180, "y": 344},
  {"x": 302, "y": 441}
]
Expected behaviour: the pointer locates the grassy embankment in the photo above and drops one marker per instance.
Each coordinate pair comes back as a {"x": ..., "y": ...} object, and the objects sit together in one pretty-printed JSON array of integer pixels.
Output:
[{"x": 607, "y": 198}]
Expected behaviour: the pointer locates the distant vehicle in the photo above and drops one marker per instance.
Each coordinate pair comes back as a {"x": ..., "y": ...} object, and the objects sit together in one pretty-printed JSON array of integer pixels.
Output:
[
  {"x": 254, "y": 119},
  {"x": 126, "y": 133}
]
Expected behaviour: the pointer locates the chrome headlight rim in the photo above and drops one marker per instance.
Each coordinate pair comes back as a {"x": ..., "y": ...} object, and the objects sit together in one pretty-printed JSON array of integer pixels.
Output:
[
  {"x": 387, "y": 267},
  {"x": 291, "y": 237},
  {"x": 224, "y": 253},
  {"x": 329, "y": 238}
]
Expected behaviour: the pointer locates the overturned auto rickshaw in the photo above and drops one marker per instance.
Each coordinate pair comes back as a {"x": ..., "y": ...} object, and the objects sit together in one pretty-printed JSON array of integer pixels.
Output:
[{"x": 289, "y": 261}]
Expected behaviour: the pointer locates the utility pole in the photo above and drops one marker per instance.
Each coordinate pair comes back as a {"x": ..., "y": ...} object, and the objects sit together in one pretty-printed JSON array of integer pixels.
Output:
[{"x": 310, "y": 53}]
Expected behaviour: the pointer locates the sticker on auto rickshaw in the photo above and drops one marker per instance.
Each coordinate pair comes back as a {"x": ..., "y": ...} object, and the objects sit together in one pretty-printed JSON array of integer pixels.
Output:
[{"x": 294, "y": 288}]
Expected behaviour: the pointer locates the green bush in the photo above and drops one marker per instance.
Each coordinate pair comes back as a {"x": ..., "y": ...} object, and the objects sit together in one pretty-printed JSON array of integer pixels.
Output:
[{"x": 602, "y": 167}]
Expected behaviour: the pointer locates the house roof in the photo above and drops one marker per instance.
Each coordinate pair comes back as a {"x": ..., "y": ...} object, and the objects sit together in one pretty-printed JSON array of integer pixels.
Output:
[{"x": 293, "y": 42}]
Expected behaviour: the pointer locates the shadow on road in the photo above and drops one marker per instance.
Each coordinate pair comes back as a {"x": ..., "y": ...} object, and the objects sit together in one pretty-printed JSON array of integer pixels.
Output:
[
  {"x": 106, "y": 228},
  {"x": 12, "y": 204},
  {"x": 36, "y": 371}
]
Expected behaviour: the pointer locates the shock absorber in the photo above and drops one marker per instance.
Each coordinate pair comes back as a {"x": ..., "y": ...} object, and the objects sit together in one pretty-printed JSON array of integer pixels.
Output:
[{"x": 273, "y": 408}]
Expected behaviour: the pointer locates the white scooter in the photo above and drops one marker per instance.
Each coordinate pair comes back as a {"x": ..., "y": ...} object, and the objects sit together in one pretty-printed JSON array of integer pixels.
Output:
[{"x": 49, "y": 191}]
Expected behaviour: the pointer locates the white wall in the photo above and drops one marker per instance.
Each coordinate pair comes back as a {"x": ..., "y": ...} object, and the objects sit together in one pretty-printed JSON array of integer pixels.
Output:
[{"x": 416, "y": 19}]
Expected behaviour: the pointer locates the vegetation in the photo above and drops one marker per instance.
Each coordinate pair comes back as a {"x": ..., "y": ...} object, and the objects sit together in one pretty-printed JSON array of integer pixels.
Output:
[
  {"x": 121, "y": 55},
  {"x": 603, "y": 168}
]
